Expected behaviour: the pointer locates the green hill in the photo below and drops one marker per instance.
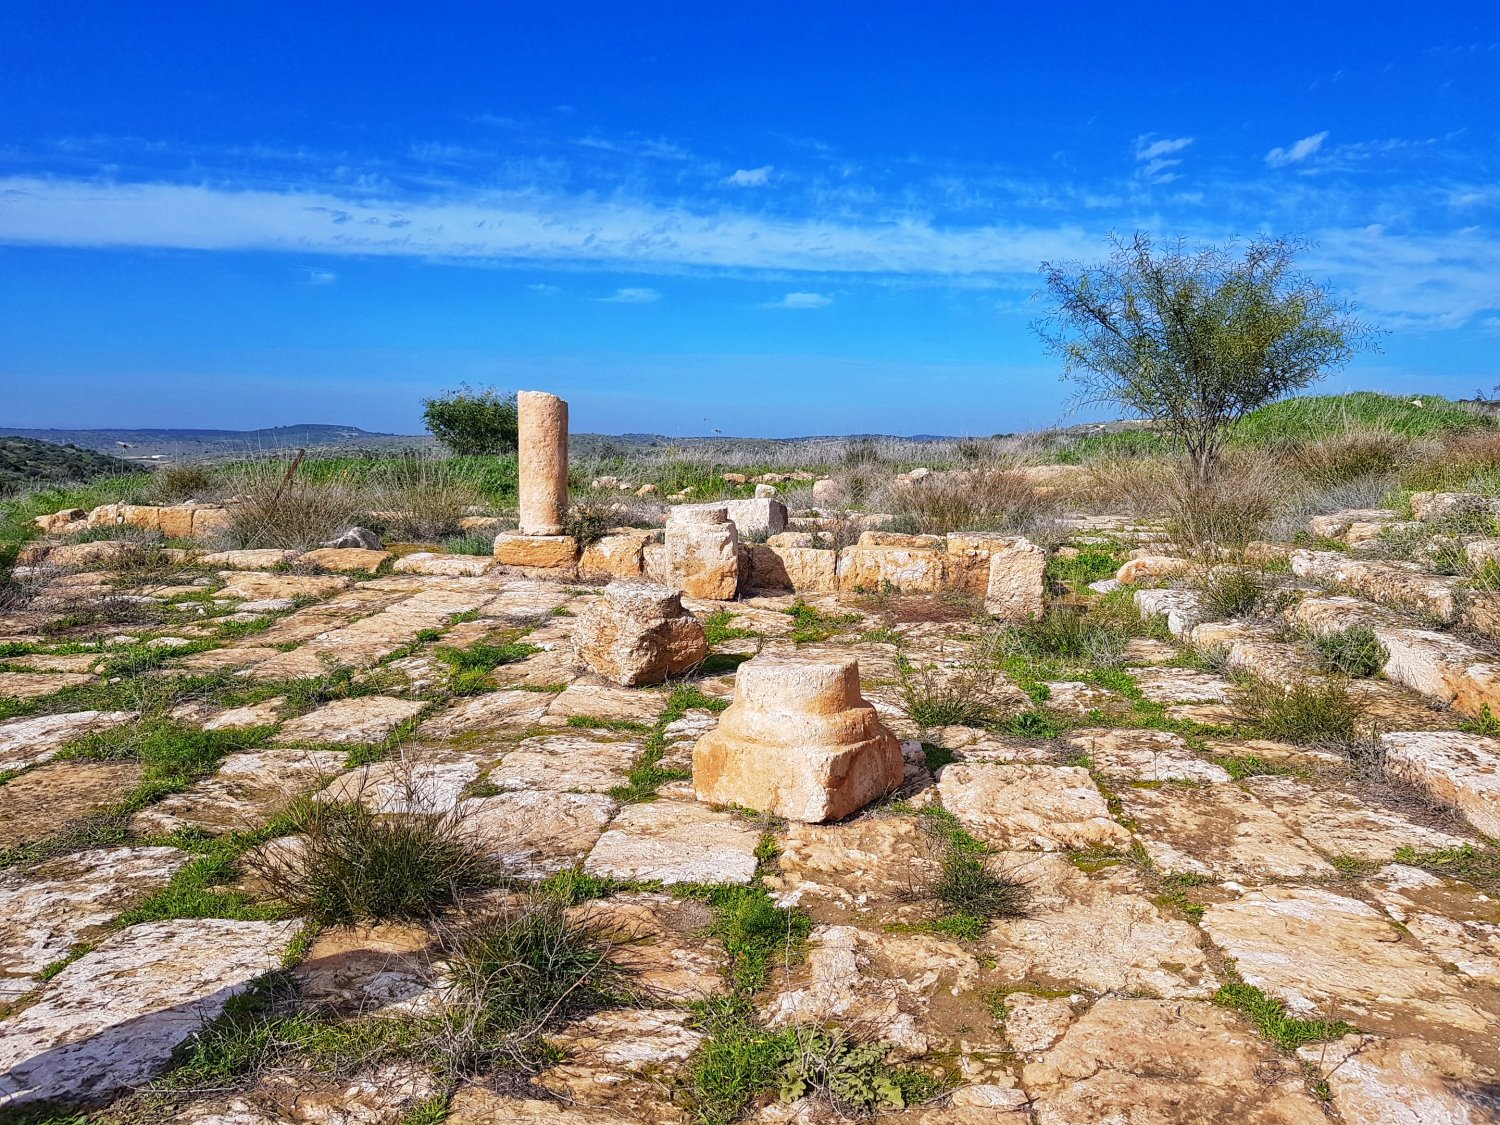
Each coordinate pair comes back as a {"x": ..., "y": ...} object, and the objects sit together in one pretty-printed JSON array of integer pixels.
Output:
[{"x": 27, "y": 463}]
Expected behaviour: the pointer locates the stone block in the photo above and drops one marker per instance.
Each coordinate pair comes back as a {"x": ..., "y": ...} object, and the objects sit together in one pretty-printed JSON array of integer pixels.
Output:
[
  {"x": 799, "y": 741},
  {"x": 907, "y": 570},
  {"x": 638, "y": 633},
  {"x": 703, "y": 552},
  {"x": 1017, "y": 581},
  {"x": 208, "y": 522},
  {"x": 617, "y": 555},
  {"x": 800, "y": 569},
  {"x": 548, "y": 552}
]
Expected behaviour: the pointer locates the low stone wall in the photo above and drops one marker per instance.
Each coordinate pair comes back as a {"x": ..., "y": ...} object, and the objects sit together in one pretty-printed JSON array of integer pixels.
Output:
[
  {"x": 1007, "y": 572},
  {"x": 177, "y": 521}
]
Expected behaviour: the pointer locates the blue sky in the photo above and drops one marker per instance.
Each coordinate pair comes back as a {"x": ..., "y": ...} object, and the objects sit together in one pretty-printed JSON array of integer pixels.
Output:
[{"x": 781, "y": 219}]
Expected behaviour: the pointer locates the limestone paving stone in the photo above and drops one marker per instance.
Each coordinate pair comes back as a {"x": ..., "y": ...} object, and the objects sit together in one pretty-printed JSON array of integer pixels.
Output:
[
  {"x": 1323, "y": 952},
  {"x": 35, "y": 685},
  {"x": 432, "y": 783},
  {"x": 1461, "y": 770},
  {"x": 1098, "y": 931},
  {"x": 604, "y": 701},
  {"x": 207, "y": 716},
  {"x": 1221, "y": 831},
  {"x": 538, "y": 832},
  {"x": 29, "y": 741},
  {"x": 364, "y": 718},
  {"x": 566, "y": 763},
  {"x": 382, "y": 1095},
  {"x": 1021, "y": 806},
  {"x": 446, "y": 566},
  {"x": 344, "y": 558},
  {"x": 1403, "y": 1081},
  {"x": 675, "y": 842},
  {"x": 884, "y": 983},
  {"x": 847, "y": 871},
  {"x": 246, "y": 789},
  {"x": 111, "y": 1020},
  {"x": 48, "y": 662},
  {"x": 42, "y": 801},
  {"x": 1339, "y": 823},
  {"x": 606, "y": 1049},
  {"x": 475, "y": 1104},
  {"x": 53, "y": 906},
  {"x": 367, "y": 968},
  {"x": 495, "y": 711},
  {"x": 1181, "y": 685},
  {"x": 249, "y": 585},
  {"x": 1451, "y": 920},
  {"x": 1170, "y": 1063},
  {"x": 1145, "y": 755}
]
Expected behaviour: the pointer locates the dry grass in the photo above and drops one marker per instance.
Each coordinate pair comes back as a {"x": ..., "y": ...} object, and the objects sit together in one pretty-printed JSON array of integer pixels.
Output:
[
  {"x": 294, "y": 515},
  {"x": 1463, "y": 462},
  {"x": 172, "y": 484},
  {"x": 422, "y": 499},
  {"x": 995, "y": 497},
  {"x": 1207, "y": 518},
  {"x": 1349, "y": 454}
]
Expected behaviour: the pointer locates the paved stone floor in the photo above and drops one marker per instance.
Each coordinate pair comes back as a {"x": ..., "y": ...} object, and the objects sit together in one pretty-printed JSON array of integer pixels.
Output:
[{"x": 1175, "y": 863}]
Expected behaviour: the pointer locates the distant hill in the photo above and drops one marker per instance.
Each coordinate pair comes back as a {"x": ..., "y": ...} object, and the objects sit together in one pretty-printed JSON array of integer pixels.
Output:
[
  {"x": 188, "y": 444},
  {"x": 27, "y": 463}
]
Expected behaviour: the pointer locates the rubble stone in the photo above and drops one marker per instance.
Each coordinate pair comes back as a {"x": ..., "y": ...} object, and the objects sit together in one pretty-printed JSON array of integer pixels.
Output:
[{"x": 638, "y": 633}]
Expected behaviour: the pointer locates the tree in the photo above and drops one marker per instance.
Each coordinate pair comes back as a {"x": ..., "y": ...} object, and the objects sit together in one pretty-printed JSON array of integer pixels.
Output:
[
  {"x": 1194, "y": 341},
  {"x": 472, "y": 423}
]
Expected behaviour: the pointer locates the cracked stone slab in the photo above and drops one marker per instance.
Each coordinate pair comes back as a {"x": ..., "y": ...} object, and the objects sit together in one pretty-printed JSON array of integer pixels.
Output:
[
  {"x": 1323, "y": 952},
  {"x": 605, "y": 701},
  {"x": 29, "y": 741},
  {"x": 39, "y": 802},
  {"x": 1461, "y": 770},
  {"x": 1403, "y": 1081},
  {"x": 55, "y": 905},
  {"x": 538, "y": 832},
  {"x": 1051, "y": 808},
  {"x": 1181, "y": 685},
  {"x": 246, "y": 789},
  {"x": 111, "y": 1020},
  {"x": 1165, "y": 1063},
  {"x": 1219, "y": 830},
  {"x": 675, "y": 842},
  {"x": 566, "y": 763},
  {"x": 663, "y": 942},
  {"x": 494, "y": 711},
  {"x": 365, "y": 718},
  {"x": 432, "y": 784},
  {"x": 1452, "y": 920},
  {"x": 1097, "y": 931},
  {"x": 34, "y": 685},
  {"x": 1145, "y": 755},
  {"x": 860, "y": 866},
  {"x": 1337, "y": 823}
]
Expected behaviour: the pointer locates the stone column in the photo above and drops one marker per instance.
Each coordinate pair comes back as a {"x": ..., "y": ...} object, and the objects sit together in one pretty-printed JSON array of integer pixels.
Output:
[{"x": 543, "y": 422}]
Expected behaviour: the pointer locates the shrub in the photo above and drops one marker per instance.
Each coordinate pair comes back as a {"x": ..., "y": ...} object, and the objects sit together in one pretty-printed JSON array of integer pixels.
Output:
[
  {"x": 352, "y": 865},
  {"x": 942, "y": 697},
  {"x": 1310, "y": 714},
  {"x": 1230, "y": 591},
  {"x": 184, "y": 481},
  {"x": 1357, "y": 451},
  {"x": 1353, "y": 652},
  {"x": 295, "y": 513},
  {"x": 992, "y": 498},
  {"x": 589, "y": 518},
  {"x": 472, "y": 423},
  {"x": 529, "y": 965}
]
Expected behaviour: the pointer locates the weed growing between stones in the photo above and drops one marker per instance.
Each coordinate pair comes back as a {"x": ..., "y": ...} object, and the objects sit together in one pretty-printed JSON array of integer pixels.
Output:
[
  {"x": 717, "y": 628},
  {"x": 1092, "y": 563},
  {"x": 810, "y": 625},
  {"x": 472, "y": 665},
  {"x": 970, "y": 891},
  {"x": 1226, "y": 592},
  {"x": 941, "y": 697},
  {"x": 1269, "y": 1015},
  {"x": 1354, "y": 652},
  {"x": 1309, "y": 714},
  {"x": 647, "y": 774},
  {"x": 350, "y": 864}
]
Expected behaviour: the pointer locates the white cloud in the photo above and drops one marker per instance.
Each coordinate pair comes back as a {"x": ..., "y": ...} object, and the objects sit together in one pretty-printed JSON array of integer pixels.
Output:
[
  {"x": 632, "y": 296},
  {"x": 751, "y": 177},
  {"x": 520, "y": 226},
  {"x": 1281, "y": 157},
  {"x": 544, "y": 290},
  {"x": 802, "y": 301},
  {"x": 312, "y": 275},
  {"x": 1148, "y": 149}
]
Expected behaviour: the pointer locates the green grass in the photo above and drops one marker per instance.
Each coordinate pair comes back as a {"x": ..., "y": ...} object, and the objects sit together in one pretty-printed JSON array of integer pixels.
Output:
[
  {"x": 1468, "y": 862},
  {"x": 1270, "y": 1017},
  {"x": 16, "y": 514},
  {"x": 598, "y": 722},
  {"x": 717, "y": 627},
  {"x": 1092, "y": 564},
  {"x": 1308, "y": 714},
  {"x": 647, "y": 774},
  {"x": 971, "y": 893},
  {"x": 755, "y": 932},
  {"x": 1354, "y": 652},
  {"x": 471, "y": 666},
  {"x": 197, "y": 890},
  {"x": 810, "y": 625}
]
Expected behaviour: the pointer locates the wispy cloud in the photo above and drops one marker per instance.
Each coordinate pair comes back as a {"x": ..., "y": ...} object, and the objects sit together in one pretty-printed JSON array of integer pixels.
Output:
[
  {"x": 542, "y": 289},
  {"x": 751, "y": 177},
  {"x": 1281, "y": 157},
  {"x": 631, "y": 296},
  {"x": 802, "y": 301},
  {"x": 314, "y": 275},
  {"x": 1154, "y": 156}
]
